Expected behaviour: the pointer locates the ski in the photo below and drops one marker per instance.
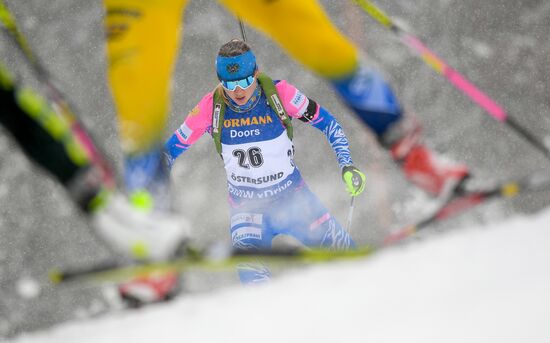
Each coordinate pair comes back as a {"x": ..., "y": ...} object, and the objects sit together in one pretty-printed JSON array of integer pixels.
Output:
[
  {"x": 205, "y": 259},
  {"x": 216, "y": 258},
  {"x": 463, "y": 199}
]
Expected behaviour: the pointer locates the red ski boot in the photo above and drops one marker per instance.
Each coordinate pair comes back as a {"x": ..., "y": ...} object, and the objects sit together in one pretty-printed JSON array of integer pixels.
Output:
[
  {"x": 419, "y": 164},
  {"x": 151, "y": 288},
  {"x": 432, "y": 175}
]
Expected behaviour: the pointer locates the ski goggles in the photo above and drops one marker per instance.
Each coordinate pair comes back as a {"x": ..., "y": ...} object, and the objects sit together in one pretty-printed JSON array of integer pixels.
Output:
[{"x": 243, "y": 83}]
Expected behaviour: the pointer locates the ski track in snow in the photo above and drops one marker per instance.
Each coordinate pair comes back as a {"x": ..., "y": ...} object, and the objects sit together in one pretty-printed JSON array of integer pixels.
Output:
[{"x": 481, "y": 284}]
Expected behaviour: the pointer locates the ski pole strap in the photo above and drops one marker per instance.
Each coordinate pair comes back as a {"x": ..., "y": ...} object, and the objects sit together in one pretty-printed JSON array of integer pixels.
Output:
[{"x": 273, "y": 99}]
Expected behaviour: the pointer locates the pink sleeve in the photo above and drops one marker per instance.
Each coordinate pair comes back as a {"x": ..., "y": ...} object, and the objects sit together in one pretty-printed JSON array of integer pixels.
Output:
[
  {"x": 294, "y": 101},
  {"x": 198, "y": 121}
]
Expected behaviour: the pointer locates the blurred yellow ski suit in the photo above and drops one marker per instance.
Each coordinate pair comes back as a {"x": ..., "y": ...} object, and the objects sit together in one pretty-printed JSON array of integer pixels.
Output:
[{"x": 143, "y": 40}]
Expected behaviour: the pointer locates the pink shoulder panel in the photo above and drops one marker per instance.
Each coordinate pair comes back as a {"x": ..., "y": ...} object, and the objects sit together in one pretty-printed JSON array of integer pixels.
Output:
[{"x": 294, "y": 101}]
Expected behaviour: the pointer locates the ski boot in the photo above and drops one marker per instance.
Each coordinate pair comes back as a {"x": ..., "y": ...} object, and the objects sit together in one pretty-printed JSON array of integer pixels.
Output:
[
  {"x": 147, "y": 179},
  {"x": 142, "y": 236},
  {"x": 154, "y": 287},
  {"x": 371, "y": 98},
  {"x": 420, "y": 165}
]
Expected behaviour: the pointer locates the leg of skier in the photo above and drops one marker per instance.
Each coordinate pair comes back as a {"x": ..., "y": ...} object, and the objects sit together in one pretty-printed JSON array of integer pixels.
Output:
[
  {"x": 142, "y": 43},
  {"x": 303, "y": 216},
  {"x": 141, "y": 55},
  {"x": 304, "y": 30},
  {"x": 50, "y": 141},
  {"x": 299, "y": 214},
  {"x": 250, "y": 230},
  {"x": 46, "y": 139}
]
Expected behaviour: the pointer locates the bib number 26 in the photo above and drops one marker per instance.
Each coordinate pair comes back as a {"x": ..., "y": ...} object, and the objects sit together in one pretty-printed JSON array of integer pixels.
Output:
[{"x": 251, "y": 157}]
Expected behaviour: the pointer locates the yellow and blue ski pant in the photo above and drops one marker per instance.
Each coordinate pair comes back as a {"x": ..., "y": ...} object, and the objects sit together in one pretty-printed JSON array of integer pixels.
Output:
[{"x": 143, "y": 40}]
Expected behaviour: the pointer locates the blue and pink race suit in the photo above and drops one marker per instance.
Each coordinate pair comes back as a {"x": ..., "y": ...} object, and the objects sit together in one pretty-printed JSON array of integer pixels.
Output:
[{"x": 267, "y": 194}]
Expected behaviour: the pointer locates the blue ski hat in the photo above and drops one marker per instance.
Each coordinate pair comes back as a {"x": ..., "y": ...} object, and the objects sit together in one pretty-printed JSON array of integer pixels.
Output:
[{"x": 236, "y": 67}]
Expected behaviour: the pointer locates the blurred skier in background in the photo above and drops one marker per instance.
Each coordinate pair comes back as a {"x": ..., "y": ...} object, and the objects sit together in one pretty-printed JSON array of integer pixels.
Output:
[
  {"x": 48, "y": 140},
  {"x": 248, "y": 115},
  {"x": 143, "y": 38}
]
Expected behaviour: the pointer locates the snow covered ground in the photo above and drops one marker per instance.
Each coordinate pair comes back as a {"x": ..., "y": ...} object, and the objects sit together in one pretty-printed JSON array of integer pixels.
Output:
[{"x": 482, "y": 284}]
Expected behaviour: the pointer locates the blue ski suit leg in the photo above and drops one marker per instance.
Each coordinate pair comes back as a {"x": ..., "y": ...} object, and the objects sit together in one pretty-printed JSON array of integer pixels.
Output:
[{"x": 299, "y": 214}]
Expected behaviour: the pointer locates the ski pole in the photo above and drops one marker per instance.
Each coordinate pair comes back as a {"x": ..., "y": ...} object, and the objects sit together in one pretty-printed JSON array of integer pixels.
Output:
[
  {"x": 55, "y": 96},
  {"x": 454, "y": 77},
  {"x": 243, "y": 31},
  {"x": 350, "y": 214}
]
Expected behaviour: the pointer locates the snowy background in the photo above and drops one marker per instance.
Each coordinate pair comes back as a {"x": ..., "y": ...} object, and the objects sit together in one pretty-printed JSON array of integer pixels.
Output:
[{"x": 502, "y": 46}]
